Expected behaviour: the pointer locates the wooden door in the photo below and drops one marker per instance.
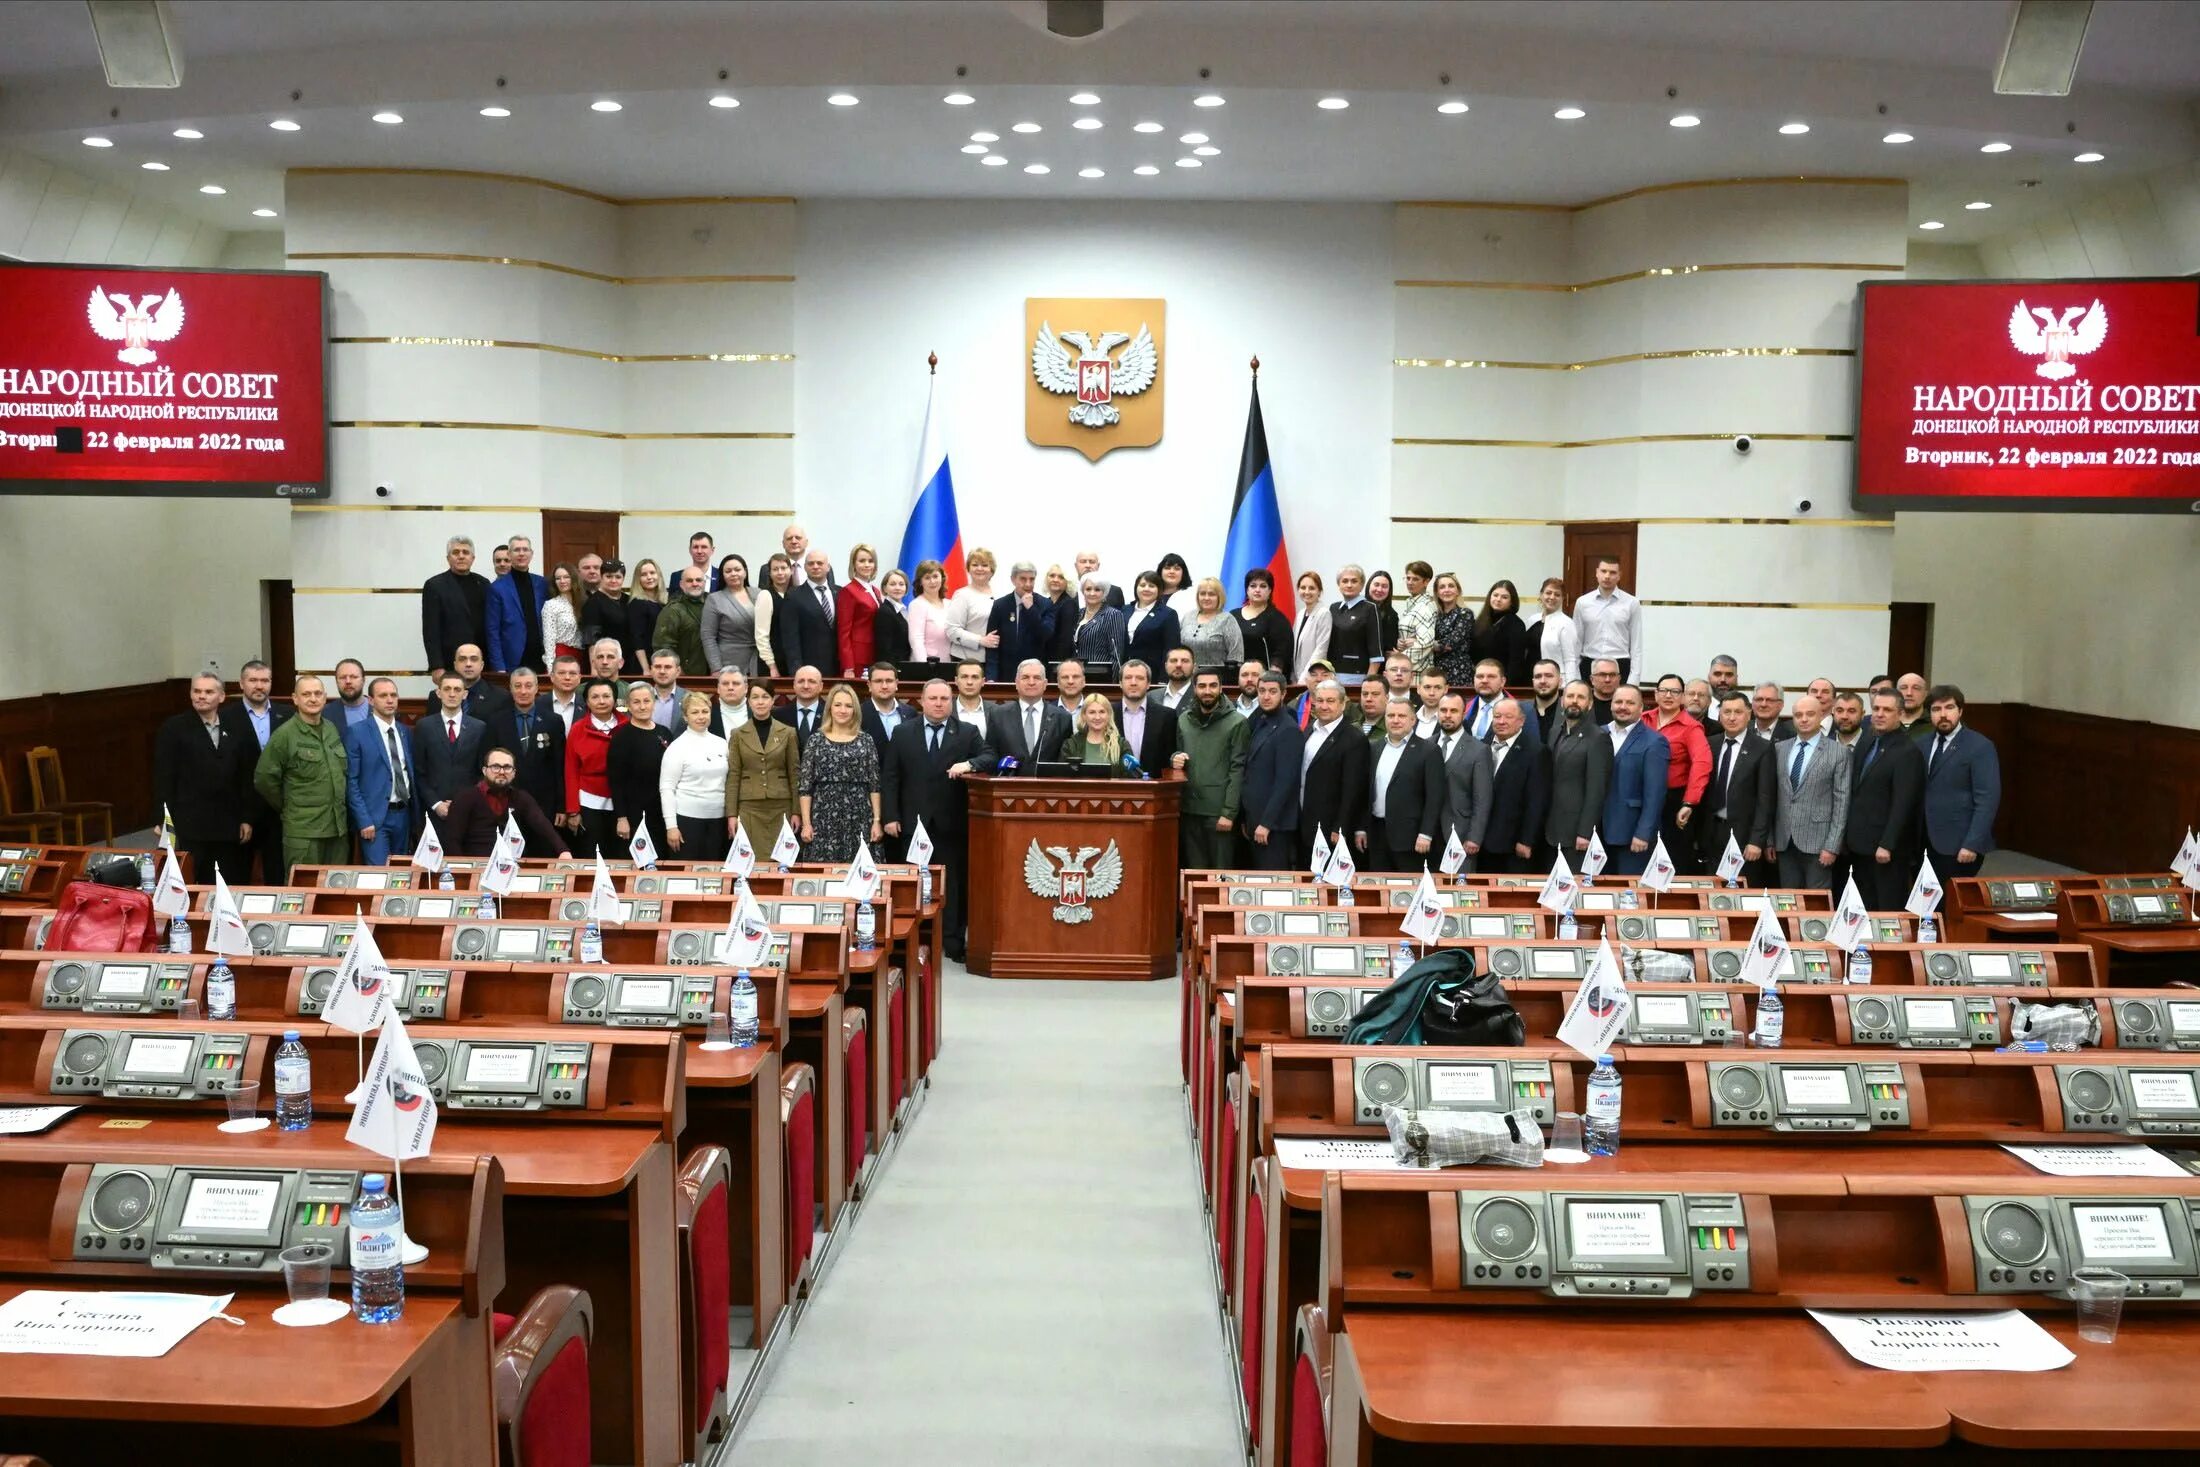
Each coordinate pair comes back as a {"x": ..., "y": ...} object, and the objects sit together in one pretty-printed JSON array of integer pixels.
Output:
[
  {"x": 282, "y": 634},
  {"x": 1908, "y": 626},
  {"x": 569, "y": 534},
  {"x": 1590, "y": 541}
]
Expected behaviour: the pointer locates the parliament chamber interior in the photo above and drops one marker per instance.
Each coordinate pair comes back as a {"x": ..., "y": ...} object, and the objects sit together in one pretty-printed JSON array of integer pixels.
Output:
[{"x": 664, "y": 800}]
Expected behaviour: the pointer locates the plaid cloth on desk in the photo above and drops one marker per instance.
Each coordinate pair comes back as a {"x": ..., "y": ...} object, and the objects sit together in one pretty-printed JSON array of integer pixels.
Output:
[
  {"x": 1440, "y": 1138},
  {"x": 2061, "y": 1026}
]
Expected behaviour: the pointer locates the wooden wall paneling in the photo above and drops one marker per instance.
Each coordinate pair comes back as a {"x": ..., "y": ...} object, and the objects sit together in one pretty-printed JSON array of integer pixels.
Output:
[{"x": 106, "y": 741}]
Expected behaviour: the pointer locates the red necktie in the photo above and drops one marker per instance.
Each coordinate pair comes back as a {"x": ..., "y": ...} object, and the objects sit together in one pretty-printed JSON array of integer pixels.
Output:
[{"x": 452, "y": 729}]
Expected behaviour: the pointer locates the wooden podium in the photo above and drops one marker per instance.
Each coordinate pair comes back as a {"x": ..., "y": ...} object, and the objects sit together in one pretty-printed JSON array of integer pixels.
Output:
[{"x": 1108, "y": 911}]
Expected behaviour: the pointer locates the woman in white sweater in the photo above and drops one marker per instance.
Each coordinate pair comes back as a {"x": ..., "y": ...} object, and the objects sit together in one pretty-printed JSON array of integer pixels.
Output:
[
  {"x": 970, "y": 608},
  {"x": 691, "y": 786}
]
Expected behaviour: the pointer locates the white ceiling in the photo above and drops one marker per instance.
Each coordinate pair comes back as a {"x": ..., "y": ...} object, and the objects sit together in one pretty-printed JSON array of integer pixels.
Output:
[{"x": 1852, "y": 70}]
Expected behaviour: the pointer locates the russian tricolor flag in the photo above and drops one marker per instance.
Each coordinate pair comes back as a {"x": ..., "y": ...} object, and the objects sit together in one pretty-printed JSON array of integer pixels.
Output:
[
  {"x": 1256, "y": 524},
  {"x": 934, "y": 531}
]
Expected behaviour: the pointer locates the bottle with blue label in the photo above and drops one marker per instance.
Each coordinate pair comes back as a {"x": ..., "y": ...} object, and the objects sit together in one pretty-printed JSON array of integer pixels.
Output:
[
  {"x": 1771, "y": 1018},
  {"x": 1600, "y": 1120},
  {"x": 179, "y": 934},
  {"x": 924, "y": 885},
  {"x": 1628, "y": 901},
  {"x": 1860, "y": 963},
  {"x": 1927, "y": 929},
  {"x": 1568, "y": 928},
  {"x": 377, "y": 1262},
  {"x": 486, "y": 908},
  {"x": 1401, "y": 958},
  {"x": 221, "y": 990},
  {"x": 866, "y": 927},
  {"x": 445, "y": 881},
  {"x": 148, "y": 873},
  {"x": 293, "y": 1084},
  {"x": 591, "y": 942},
  {"x": 741, "y": 1008}
]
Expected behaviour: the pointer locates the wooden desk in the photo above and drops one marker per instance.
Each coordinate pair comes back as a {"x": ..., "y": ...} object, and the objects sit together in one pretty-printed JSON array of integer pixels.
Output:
[
  {"x": 412, "y": 1392},
  {"x": 1130, "y": 933},
  {"x": 2133, "y": 1395}
]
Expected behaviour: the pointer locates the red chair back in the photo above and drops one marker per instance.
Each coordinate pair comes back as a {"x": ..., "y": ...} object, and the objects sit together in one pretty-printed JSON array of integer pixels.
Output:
[
  {"x": 706, "y": 1293},
  {"x": 1252, "y": 1294},
  {"x": 855, "y": 1044},
  {"x": 539, "y": 1373},
  {"x": 1226, "y": 1191},
  {"x": 1311, "y": 1374},
  {"x": 897, "y": 1045},
  {"x": 798, "y": 1114}
]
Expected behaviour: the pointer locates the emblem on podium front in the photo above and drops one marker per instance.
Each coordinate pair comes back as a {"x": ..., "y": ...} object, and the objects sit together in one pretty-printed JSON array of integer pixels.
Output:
[{"x": 1073, "y": 883}]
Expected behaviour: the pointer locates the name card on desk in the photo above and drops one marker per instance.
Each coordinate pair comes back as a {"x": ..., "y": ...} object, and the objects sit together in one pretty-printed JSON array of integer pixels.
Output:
[
  {"x": 124, "y": 1325},
  {"x": 2098, "y": 1161},
  {"x": 2005, "y": 1340},
  {"x": 1336, "y": 1155}
]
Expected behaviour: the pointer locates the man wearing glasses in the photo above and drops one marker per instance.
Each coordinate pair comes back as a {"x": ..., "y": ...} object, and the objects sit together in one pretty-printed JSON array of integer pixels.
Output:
[{"x": 479, "y": 810}]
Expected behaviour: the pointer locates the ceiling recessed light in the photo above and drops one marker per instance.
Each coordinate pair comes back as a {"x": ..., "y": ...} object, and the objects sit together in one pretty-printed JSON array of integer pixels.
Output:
[
  {"x": 1192, "y": 139},
  {"x": 496, "y": 112},
  {"x": 1898, "y": 137},
  {"x": 1993, "y": 147},
  {"x": 605, "y": 104},
  {"x": 283, "y": 124},
  {"x": 1932, "y": 224},
  {"x": 1037, "y": 168},
  {"x": 2089, "y": 158},
  {"x": 1145, "y": 127},
  {"x": 985, "y": 137},
  {"x": 1208, "y": 152},
  {"x": 1685, "y": 119},
  {"x": 154, "y": 167},
  {"x": 1452, "y": 108},
  {"x": 994, "y": 160},
  {"x": 1084, "y": 99},
  {"x": 1569, "y": 114},
  {"x": 722, "y": 100},
  {"x": 388, "y": 119},
  {"x": 1187, "y": 163},
  {"x": 958, "y": 99},
  {"x": 1092, "y": 173},
  {"x": 1793, "y": 129},
  {"x": 188, "y": 134},
  {"x": 263, "y": 213},
  {"x": 976, "y": 149},
  {"x": 212, "y": 188},
  {"x": 1088, "y": 124},
  {"x": 1025, "y": 127},
  {"x": 1978, "y": 204},
  {"x": 1145, "y": 170},
  {"x": 1333, "y": 104},
  {"x": 99, "y": 142},
  {"x": 1209, "y": 100},
  {"x": 844, "y": 99}
]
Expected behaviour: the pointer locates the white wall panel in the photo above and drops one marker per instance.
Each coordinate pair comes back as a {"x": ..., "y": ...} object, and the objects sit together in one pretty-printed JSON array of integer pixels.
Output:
[
  {"x": 1663, "y": 480},
  {"x": 1479, "y": 555},
  {"x": 739, "y": 473},
  {"x": 1788, "y": 647},
  {"x": 1466, "y": 402},
  {"x": 468, "y": 216},
  {"x": 1745, "y": 223},
  {"x": 703, "y": 397},
  {"x": 1766, "y": 563},
  {"x": 1483, "y": 244},
  {"x": 1482, "y": 325},
  {"x": 1482, "y": 483}
]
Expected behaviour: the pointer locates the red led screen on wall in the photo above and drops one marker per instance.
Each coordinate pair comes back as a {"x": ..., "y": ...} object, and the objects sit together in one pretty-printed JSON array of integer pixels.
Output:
[
  {"x": 2029, "y": 394},
  {"x": 120, "y": 380}
]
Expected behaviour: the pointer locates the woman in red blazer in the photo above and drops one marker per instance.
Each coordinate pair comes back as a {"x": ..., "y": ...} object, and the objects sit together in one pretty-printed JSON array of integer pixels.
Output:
[
  {"x": 588, "y": 770},
  {"x": 854, "y": 609}
]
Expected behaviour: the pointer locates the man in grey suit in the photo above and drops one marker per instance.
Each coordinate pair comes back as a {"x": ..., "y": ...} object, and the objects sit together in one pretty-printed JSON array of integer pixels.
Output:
[
  {"x": 1581, "y": 766},
  {"x": 1466, "y": 761},
  {"x": 1813, "y": 779},
  {"x": 1010, "y": 726}
]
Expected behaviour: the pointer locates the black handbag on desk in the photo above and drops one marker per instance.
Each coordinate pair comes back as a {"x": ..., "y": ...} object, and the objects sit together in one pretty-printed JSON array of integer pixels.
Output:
[{"x": 1440, "y": 1000}]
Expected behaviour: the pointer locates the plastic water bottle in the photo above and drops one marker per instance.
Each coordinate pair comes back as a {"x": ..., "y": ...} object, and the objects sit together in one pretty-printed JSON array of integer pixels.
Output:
[
  {"x": 741, "y": 1004},
  {"x": 924, "y": 885},
  {"x": 591, "y": 942},
  {"x": 486, "y": 908},
  {"x": 445, "y": 881},
  {"x": 866, "y": 927},
  {"x": 1927, "y": 929},
  {"x": 221, "y": 990},
  {"x": 377, "y": 1270},
  {"x": 293, "y": 1084},
  {"x": 1401, "y": 958},
  {"x": 1860, "y": 963},
  {"x": 179, "y": 934},
  {"x": 1568, "y": 928},
  {"x": 147, "y": 875},
  {"x": 1600, "y": 1121},
  {"x": 1771, "y": 1019},
  {"x": 1627, "y": 899}
]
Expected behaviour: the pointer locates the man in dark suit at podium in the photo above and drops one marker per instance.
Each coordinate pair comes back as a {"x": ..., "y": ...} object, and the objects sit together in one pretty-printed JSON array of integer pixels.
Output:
[
  {"x": 926, "y": 760},
  {"x": 202, "y": 772},
  {"x": 1149, "y": 730}
]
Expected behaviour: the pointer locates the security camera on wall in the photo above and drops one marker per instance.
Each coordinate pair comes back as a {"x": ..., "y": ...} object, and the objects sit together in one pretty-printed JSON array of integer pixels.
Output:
[
  {"x": 1743, "y": 443},
  {"x": 382, "y": 491}
]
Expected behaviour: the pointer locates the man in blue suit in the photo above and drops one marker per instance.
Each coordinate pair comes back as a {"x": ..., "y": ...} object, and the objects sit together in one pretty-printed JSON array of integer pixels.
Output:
[
  {"x": 1634, "y": 799},
  {"x": 514, "y": 611},
  {"x": 380, "y": 779},
  {"x": 1962, "y": 788}
]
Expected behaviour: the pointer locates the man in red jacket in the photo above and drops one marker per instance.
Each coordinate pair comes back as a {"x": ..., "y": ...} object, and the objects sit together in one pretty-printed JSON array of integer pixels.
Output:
[
  {"x": 478, "y": 812},
  {"x": 1687, "y": 776}
]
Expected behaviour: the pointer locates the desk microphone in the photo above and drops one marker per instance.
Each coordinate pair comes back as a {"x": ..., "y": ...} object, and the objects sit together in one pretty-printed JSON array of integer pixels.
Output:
[{"x": 1131, "y": 764}]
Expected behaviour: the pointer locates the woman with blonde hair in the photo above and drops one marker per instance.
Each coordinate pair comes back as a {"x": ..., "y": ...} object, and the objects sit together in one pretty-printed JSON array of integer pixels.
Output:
[
  {"x": 855, "y": 608},
  {"x": 1212, "y": 635},
  {"x": 691, "y": 786},
  {"x": 644, "y": 604},
  {"x": 1095, "y": 739},
  {"x": 970, "y": 608},
  {"x": 839, "y": 786},
  {"x": 1058, "y": 591}
]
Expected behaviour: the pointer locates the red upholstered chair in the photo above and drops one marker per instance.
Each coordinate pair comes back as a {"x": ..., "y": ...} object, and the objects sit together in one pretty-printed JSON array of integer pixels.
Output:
[
  {"x": 798, "y": 1118},
  {"x": 894, "y": 1067},
  {"x": 855, "y": 1061},
  {"x": 927, "y": 1001},
  {"x": 538, "y": 1369},
  {"x": 704, "y": 1192},
  {"x": 1252, "y": 1332},
  {"x": 1226, "y": 1194},
  {"x": 1310, "y": 1377}
]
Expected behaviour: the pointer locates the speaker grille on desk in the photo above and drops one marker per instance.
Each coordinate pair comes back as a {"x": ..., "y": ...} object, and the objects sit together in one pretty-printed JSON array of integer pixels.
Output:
[
  {"x": 120, "y": 1201},
  {"x": 1284, "y": 960},
  {"x": 2014, "y": 1233},
  {"x": 586, "y": 993},
  {"x": 1260, "y": 924},
  {"x": 433, "y": 1060},
  {"x": 471, "y": 942},
  {"x": 1814, "y": 929},
  {"x": 687, "y": 947},
  {"x": 1634, "y": 929},
  {"x": 261, "y": 935},
  {"x": 1240, "y": 897},
  {"x": 1504, "y": 1229},
  {"x": 1505, "y": 962},
  {"x": 68, "y": 977},
  {"x": 84, "y": 1054},
  {"x": 1384, "y": 1083},
  {"x": 1872, "y": 1013},
  {"x": 2134, "y": 1019},
  {"x": 2090, "y": 1090},
  {"x": 1942, "y": 966},
  {"x": 341, "y": 878},
  {"x": 318, "y": 983},
  {"x": 1326, "y": 1005},
  {"x": 1726, "y": 965},
  {"x": 573, "y": 909},
  {"x": 1741, "y": 1087}
]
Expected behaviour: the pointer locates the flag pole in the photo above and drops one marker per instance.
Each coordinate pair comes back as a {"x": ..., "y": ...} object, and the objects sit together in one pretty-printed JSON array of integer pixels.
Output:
[
  {"x": 408, "y": 1252},
  {"x": 933, "y": 361}
]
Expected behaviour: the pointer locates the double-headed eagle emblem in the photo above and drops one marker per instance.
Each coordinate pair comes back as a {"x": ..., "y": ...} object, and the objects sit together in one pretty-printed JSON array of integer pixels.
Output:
[
  {"x": 1073, "y": 887},
  {"x": 2058, "y": 338},
  {"x": 136, "y": 323},
  {"x": 1091, "y": 374}
]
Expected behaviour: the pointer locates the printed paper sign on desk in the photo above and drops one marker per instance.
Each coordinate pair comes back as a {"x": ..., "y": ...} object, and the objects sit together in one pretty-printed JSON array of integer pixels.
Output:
[
  {"x": 29, "y": 1120},
  {"x": 1305, "y": 1154},
  {"x": 2098, "y": 1161},
  {"x": 134, "y": 1326},
  {"x": 2005, "y": 1340}
]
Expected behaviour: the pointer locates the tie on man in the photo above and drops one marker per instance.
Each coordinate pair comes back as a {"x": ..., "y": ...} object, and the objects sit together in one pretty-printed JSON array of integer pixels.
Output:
[
  {"x": 1482, "y": 720},
  {"x": 1031, "y": 730},
  {"x": 1940, "y": 747},
  {"x": 932, "y": 736},
  {"x": 809, "y": 721},
  {"x": 1795, "y": 769},
  {"x": 400, "y": 787},
  {"x": 1726, "y": 772},
  {"x": 451, "y": 727},
  {"x": 825, "y": 599}
]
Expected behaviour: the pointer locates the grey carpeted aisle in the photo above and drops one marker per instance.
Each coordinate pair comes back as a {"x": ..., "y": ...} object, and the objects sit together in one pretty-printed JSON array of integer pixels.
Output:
[{"x": 1029, "y": 1282}]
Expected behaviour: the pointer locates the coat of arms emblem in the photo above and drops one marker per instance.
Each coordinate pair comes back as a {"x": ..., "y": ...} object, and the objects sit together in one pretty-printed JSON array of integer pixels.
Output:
[
  {"x": 1073, "y": 883},
  {"x": 1106, "y": 360}
]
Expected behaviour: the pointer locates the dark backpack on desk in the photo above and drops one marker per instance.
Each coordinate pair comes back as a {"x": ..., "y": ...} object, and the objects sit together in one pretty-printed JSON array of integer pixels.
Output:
[{"x": 1440, "y": 1000}]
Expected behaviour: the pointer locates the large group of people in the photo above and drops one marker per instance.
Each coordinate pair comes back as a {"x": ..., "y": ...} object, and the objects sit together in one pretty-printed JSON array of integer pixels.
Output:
[{"x": 1380, "y": 722}]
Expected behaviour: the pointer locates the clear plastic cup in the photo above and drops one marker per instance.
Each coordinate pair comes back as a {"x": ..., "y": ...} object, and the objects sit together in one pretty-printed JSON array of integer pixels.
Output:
[
  {"x": 1565, "y": 1145},
  {"x": 188, "y": 1011},
  {"x": 718, "y": 1031},
  {"x": 244, "y": 1102},
  {"x": 305, "y": 1271},
  {"x": 2099, "y": 1295}
]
